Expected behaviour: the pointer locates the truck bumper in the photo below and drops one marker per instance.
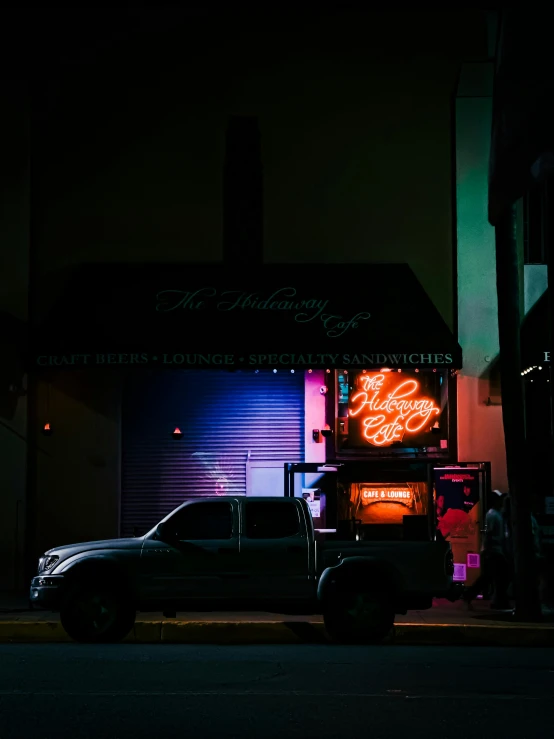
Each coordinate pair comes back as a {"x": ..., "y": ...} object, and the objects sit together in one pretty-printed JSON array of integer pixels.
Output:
[{"x": 46, "y": 592}]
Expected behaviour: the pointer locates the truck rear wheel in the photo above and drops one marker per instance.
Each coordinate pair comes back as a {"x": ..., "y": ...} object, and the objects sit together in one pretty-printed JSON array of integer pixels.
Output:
[
  {"x": 97, "y": 615},
  {"x": 359, "y": 617}
]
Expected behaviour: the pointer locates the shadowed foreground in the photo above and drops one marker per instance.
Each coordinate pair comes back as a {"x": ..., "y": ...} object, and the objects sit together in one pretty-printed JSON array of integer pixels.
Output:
[{"x": 66, "y": 690}]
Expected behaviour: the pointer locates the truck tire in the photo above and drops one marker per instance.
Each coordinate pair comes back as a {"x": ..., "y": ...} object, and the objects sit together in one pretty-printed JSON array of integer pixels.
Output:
[
  {"x": 97, "y": 615},
  {"x": 359, "y": 617}
]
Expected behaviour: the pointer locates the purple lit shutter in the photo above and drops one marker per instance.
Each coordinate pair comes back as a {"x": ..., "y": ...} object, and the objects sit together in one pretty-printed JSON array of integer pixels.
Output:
[{"x": 223, "y": 417}]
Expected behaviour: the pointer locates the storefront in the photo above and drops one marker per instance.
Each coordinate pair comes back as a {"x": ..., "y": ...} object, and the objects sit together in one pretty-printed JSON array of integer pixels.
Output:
[{"x": 228, "y": 374}]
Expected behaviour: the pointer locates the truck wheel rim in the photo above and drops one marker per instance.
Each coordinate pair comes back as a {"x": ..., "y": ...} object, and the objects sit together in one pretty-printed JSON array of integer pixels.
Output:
[
  {"x": 365, "y": 609},
  {"x": 95, "y": 612}
]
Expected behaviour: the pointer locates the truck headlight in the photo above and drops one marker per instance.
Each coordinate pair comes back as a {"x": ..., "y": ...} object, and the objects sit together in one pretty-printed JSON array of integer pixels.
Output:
[{"x": 46, "y": 563}]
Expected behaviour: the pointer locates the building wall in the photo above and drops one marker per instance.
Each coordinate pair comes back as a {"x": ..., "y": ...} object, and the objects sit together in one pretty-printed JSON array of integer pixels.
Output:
[
  {"x": 535, "y": 284},
  {"x": 355, "y": 143},
  {"x": 79, "y": 465},
  {"x": 480, "y": 430},
  {"x": 315, "y": 416},
  {"x": 14, "y": 237},
  {"x": 12, "y": 496},
  {"x": 356, "y": 146}
]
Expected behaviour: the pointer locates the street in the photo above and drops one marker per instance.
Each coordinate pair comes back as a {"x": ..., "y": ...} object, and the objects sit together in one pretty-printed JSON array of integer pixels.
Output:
[{"x": 70, "y": 690}]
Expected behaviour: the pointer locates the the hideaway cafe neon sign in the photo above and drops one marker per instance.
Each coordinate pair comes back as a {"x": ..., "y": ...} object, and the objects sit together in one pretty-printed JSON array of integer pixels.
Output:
[{"x": 388, "y": 410}]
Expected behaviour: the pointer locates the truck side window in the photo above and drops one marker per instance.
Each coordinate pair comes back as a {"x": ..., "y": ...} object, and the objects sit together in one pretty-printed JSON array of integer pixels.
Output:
[
  {"x": 271, "y": 520},
  {"x": 203, "y": 521}
]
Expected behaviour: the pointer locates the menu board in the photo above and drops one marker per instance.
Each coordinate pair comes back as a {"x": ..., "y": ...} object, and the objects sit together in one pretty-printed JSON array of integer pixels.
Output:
[{"x": 458, "y": 510}]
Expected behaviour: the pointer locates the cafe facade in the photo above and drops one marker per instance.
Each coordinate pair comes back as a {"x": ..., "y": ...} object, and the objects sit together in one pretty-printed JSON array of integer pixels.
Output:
[
  {"x": 346, "y": 280},
  {"x": 210, "y": 379}
]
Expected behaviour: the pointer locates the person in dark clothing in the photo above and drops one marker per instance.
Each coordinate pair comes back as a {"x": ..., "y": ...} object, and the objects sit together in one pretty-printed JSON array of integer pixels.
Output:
[{"x": 495, "y": 568}]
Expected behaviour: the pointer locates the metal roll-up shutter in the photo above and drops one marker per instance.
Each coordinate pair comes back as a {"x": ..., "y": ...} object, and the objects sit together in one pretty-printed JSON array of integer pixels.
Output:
[{"x": 227, "y": 419}]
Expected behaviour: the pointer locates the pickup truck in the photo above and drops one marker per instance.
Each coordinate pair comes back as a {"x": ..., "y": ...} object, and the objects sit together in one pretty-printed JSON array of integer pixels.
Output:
[{"x": 240, "y": 553}]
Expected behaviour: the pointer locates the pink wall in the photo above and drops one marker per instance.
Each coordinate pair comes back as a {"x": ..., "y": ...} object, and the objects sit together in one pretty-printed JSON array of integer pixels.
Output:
[
  {"x": 315, "y": 415},
  {"x": 480, "y": 430}
]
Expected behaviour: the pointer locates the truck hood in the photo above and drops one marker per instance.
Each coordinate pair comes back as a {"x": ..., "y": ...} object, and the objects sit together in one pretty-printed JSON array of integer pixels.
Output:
[{"x": 87, "y": 546}]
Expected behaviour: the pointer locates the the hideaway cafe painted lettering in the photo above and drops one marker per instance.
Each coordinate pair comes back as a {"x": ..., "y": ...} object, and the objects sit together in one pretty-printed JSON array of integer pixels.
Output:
[
  {"x": 270, "y": 361},
  {"x": 284, "y": 299}
]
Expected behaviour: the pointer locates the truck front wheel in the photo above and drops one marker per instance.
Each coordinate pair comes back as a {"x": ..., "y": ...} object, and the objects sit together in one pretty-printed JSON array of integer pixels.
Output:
[
  {"x": 359, "y": 617},
  {"x": 97, "y": 615}
]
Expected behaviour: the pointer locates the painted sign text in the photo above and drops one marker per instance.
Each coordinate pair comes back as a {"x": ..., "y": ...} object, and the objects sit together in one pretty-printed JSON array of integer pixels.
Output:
[{"x": 285, "y": 300}]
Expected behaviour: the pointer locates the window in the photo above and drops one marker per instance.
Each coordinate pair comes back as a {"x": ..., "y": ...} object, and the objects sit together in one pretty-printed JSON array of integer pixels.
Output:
[
  {"x": 203, "y": 521},
  {"x": 271, "y": 520}
]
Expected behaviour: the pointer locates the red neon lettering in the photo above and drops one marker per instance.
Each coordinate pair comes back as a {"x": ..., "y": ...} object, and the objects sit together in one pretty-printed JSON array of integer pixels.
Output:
[{"x": 390, "y": 410}]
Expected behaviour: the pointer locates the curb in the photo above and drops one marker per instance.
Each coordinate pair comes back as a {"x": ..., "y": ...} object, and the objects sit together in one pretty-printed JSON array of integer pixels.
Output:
[
  {"x": 473, "y": 635},
  {"x": 279, "y": 632}
]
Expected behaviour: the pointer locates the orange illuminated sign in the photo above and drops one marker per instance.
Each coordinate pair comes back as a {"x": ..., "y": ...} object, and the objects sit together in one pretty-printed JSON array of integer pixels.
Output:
[
  {"x": 389, "y": 409},
  {"x": 380, "y": 494}
]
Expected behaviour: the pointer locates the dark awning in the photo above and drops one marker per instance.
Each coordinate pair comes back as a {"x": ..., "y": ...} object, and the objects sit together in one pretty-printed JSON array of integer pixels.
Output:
[
  {"x": 535, "y": 332},
  {"x": 294, "y": 316}
]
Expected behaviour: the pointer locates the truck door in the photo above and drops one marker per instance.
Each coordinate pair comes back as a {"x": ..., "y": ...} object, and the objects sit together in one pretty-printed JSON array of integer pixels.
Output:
[
  {"x": 200, "y": 557},
  {"x": 274, "y": 551}
]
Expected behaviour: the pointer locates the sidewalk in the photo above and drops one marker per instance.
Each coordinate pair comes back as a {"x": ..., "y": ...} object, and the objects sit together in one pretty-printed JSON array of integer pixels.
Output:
[{"x": 444, "y": 624}]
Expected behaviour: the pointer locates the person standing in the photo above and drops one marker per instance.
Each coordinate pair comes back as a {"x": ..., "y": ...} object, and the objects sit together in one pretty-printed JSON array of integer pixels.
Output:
[{"x": 495, "y": 569}]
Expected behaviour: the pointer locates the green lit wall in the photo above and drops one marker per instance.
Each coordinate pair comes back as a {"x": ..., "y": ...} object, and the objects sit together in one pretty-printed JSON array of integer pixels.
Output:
[{"x": 480, "y": 431}]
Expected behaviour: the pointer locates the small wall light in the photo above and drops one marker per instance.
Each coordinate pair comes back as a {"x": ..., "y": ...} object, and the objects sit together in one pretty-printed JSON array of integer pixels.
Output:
[
  {"x": 47, "y": 430},
  {"x": 326, "y": 431},
  {"x": 177, "y": 433}
]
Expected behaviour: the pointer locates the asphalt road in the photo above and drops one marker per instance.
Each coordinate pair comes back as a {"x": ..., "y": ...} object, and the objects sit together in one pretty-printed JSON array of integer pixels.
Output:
[{"x": 192, "y": 692}]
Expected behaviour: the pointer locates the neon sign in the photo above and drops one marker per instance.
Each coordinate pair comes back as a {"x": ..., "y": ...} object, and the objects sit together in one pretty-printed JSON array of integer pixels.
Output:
[
  {"x": 380, "y": 494},
  {"x": 388, "y": 410}
]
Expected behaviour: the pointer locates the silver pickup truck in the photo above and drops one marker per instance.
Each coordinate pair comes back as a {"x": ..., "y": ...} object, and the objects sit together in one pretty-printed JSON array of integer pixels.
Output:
[{"x": 255, "y": 553}]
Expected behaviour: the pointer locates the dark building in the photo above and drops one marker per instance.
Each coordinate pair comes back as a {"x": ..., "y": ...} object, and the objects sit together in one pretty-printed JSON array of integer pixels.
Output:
[{"x": 231, "y": 235}]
